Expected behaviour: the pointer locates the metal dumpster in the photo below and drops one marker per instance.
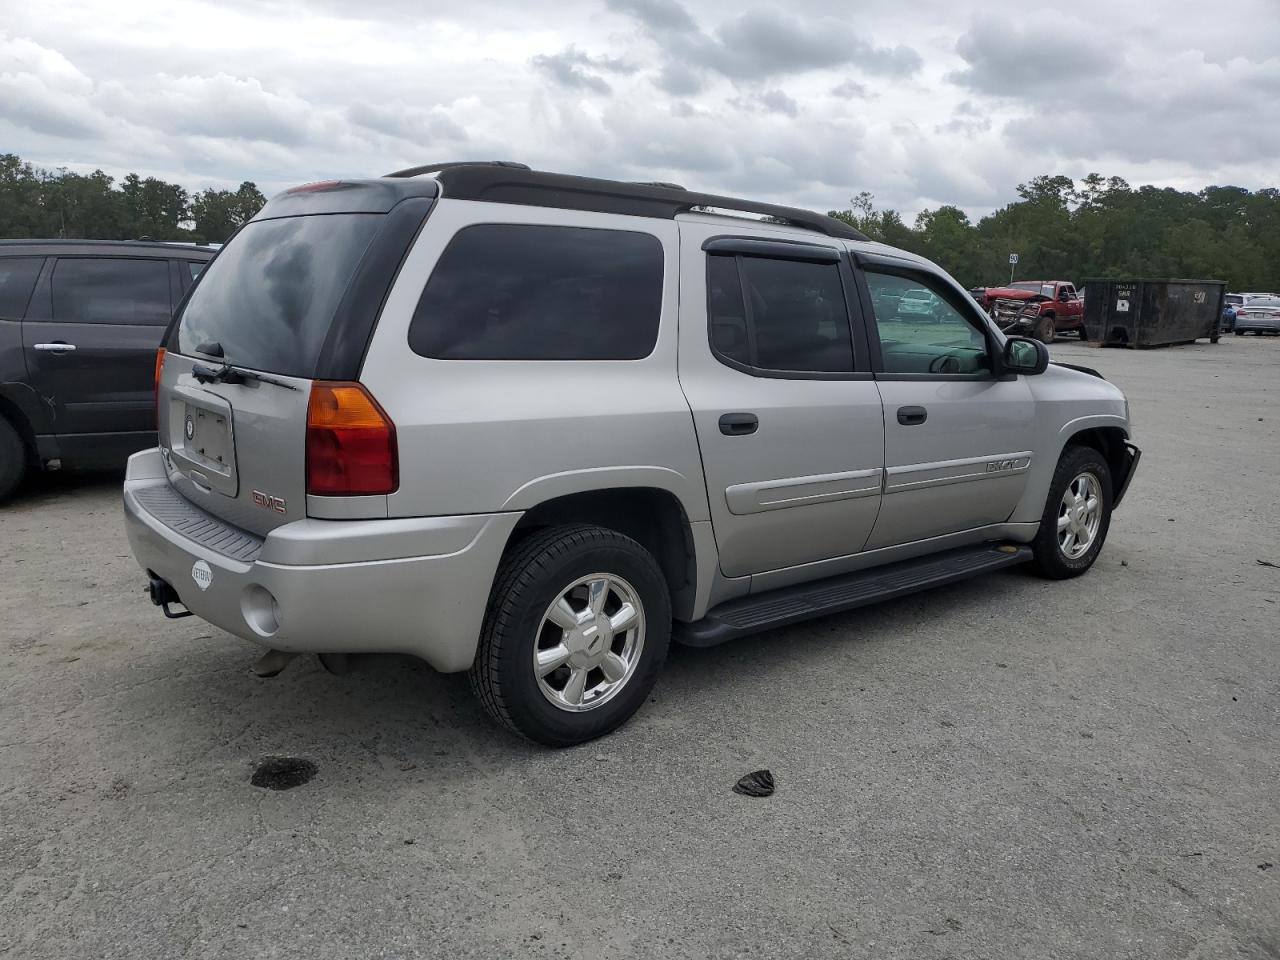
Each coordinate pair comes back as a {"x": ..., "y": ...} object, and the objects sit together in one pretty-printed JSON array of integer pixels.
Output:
[{"x": 1152, "y": 313}]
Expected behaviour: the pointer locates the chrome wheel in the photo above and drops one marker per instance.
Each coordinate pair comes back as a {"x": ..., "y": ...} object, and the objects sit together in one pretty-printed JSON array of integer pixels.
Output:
[
  {"x": 1079, "y": 516},
  {"x": 589, "y": 642}
]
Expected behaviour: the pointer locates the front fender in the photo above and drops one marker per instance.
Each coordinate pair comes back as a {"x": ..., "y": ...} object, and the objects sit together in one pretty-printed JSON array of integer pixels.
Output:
[{"x": 1031, "y": 507}]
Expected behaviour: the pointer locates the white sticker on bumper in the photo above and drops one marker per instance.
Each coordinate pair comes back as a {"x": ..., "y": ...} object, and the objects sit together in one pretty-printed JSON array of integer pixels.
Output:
[{"x": 202, "y": 574}]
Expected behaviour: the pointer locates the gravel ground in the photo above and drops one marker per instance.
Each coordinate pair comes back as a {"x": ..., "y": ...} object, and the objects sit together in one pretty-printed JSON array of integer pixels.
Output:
[{"x": 1003, "y": 768}]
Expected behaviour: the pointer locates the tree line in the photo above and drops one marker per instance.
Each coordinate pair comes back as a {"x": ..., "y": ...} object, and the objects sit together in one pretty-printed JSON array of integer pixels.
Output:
[
  {"x": 1061, "y": 229},
  {"x": 1097, "y": 227},
  {"x": 58, "y": 203}
]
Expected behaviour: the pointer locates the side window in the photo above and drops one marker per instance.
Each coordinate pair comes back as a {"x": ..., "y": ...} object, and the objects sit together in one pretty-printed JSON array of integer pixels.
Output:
[
  {"x": 111, "y": 290},
  {"x": 195, "y": 266},
  {"x": 530, "y": 292},
  {"x": 921, "y": 332},
  {"x": 784, "y": 315},
  {"x": 17, "y": 280}
]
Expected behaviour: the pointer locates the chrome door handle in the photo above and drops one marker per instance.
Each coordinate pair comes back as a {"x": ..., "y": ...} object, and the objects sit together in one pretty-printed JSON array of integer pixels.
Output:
[{"x": 56, "y": 347}]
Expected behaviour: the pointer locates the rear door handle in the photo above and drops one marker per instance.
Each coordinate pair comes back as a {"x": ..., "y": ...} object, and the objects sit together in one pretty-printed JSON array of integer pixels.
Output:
[
  {"x": 58, "y": 346},
  {"x": 912, "y": 416},
  {"x": 739, "y": 424}
]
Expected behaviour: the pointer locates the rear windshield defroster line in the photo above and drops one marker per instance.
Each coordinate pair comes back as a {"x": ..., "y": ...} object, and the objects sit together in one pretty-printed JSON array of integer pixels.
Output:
[{"x": 269, "y": 297}]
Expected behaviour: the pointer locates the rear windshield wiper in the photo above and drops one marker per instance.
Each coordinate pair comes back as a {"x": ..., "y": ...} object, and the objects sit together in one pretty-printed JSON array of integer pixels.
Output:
[{"x": 229, "y": 374}]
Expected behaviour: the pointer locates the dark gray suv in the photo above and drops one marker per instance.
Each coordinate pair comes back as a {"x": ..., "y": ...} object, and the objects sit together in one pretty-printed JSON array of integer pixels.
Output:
[{"x": 80, "y": 321}]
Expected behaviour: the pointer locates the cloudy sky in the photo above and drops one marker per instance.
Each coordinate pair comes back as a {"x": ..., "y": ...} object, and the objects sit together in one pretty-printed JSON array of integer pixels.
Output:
[{"x": 921, "y": 102}]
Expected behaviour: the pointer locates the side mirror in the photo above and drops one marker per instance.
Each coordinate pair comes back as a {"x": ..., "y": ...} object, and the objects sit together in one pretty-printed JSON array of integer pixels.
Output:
[
  {"x": 1024, "y": 355},
  {"x": 1063, "y": 296}
]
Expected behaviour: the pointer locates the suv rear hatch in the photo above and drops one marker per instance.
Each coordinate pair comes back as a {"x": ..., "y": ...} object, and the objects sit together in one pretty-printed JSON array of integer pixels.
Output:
[{"x": 291, "y": 300}]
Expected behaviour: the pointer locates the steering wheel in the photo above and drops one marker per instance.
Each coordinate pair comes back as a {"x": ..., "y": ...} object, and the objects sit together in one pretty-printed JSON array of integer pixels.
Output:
[{"x": 944, "y": 364}]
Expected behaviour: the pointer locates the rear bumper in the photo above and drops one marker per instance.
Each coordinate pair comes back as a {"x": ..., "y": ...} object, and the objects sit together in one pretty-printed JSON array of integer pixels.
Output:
[
  {"x": 416, "y": 586},
  {"x": 1131, "y": 457}
]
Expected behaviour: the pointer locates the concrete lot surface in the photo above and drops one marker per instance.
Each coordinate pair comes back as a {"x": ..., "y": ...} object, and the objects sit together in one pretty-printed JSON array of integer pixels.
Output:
[{"x": 1003, "y": 768}]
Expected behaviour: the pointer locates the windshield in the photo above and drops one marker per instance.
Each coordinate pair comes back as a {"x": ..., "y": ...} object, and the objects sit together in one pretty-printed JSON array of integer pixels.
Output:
[
  {"x": 269, "y": 298},
  {"x": 1044, "y": 289}
]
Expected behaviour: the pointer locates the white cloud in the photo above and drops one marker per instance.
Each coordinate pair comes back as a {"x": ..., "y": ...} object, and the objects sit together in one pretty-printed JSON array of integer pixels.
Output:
[{"x": 921, "y": 104}]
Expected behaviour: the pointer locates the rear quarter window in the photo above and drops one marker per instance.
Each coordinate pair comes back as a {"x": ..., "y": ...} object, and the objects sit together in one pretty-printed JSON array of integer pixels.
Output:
[{"x": 532, "y": 292}]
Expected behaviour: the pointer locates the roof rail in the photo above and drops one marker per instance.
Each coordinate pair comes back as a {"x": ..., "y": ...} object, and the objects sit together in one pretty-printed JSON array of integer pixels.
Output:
[
  {"x": 437, "y": 167},
  {"x": 506, "y": 182}
]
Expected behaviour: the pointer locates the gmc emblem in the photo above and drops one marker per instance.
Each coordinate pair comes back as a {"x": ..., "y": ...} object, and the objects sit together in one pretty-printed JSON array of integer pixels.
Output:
[{"x": 268, "y": 502}]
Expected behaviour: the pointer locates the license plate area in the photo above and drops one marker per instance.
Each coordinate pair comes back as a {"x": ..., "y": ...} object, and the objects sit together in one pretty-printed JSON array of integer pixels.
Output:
[
  {"x": 207, "y": 438},
  {"x": 202, "y": 440}
]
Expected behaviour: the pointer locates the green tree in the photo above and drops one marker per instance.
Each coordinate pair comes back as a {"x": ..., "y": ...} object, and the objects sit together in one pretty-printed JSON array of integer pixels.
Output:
[{"x": 219, "y": 213}]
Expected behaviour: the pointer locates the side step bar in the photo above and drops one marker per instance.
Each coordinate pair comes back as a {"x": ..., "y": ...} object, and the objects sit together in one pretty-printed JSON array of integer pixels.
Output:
[{"x": 777, "y": 608}]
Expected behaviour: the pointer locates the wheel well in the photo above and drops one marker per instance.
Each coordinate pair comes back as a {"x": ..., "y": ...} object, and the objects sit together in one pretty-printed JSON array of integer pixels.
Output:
[
  {"x": 1108, "y": 441},
  {"x": 9, "y": 412},
  {"x": 651, "y": 517}
]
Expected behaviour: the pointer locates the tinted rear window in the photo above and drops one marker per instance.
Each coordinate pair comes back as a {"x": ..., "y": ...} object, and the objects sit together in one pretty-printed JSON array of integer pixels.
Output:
[
  {"x": 270, "y": 296},
  {"x": 528, "y": 292},
  {"x": 112, "y": 291},
  {"x": 794, "y": 320},
  {"x": 17, "y": 279}
]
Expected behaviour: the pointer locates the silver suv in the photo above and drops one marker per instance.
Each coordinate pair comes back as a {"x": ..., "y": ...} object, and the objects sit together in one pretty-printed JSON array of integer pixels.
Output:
[{"x": 535, "y": 426}]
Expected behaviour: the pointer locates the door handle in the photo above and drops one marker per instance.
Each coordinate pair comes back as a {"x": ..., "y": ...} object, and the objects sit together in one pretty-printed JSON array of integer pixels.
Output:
[
  {"x": 738, "y": 424},
  {"x": 912, "y": 416},
  {"x": 58, "y": 346}
]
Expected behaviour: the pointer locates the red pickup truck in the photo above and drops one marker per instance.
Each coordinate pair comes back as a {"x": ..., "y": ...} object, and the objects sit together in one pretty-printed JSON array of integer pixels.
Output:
[{"x": 1037, "y": 308}]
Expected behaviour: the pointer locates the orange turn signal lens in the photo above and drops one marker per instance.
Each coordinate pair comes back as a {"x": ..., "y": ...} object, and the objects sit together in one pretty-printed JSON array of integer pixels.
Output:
[{"x": 351, "y": 442}]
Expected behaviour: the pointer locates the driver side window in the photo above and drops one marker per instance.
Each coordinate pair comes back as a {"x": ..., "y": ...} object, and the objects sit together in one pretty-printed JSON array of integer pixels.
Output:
[{"x": 921, "y": 332}]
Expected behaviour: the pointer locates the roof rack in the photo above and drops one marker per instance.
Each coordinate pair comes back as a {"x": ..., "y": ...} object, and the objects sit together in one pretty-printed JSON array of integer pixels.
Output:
[
  {"x": 507, "y": 182},
  {"x": 437, "y": 167}
]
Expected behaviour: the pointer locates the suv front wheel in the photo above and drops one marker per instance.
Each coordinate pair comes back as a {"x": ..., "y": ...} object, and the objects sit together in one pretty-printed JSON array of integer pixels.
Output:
[
  {"x": 577, "y": 629},
  {"x": 1077, "y": 515}
]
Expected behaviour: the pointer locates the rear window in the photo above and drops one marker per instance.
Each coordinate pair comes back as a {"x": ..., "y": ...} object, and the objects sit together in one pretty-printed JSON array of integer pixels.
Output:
[
  {"x": 17, "y": 279},
  {"x": 269, "y": 297},
  {"x": 109, "y": 290},
  {"x": 529, "y": 292},
  {"x": 796, "y": 320}
]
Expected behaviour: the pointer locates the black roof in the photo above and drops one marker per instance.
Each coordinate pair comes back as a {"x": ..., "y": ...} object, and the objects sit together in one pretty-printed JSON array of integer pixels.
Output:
[
  {"x": 506, "y": 182},
  {"x": 83, "y": 247}
]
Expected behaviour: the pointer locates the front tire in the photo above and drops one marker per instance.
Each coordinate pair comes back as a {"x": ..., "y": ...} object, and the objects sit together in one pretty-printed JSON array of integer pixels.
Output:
[
  {"x": 13, "y": 459},
  {"x": 577, "y": 628},
  {"x": 1046, "y": 330},
  {"x": 1077, "y": 515}
]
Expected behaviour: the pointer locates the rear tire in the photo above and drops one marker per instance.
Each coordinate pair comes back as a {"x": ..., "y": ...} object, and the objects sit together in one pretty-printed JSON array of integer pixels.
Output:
[
  {"x": 1077, "y": 515},
  {"x": 13, "y": 459},
  {"x": 561, "y": 659}
]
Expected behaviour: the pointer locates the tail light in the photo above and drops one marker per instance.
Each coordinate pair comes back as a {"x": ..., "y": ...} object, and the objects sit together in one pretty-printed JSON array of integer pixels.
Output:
[
  {"x": 351, "y": 443},
  {"x": 155, "y": 397}
]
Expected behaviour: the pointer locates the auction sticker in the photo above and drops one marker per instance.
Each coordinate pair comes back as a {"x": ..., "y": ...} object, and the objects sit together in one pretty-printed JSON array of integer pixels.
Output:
[{"x": 202, "y": 575}]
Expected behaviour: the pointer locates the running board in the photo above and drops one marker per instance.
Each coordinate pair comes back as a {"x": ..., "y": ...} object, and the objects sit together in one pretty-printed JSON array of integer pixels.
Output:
[{"x": 777, "y": 608}]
